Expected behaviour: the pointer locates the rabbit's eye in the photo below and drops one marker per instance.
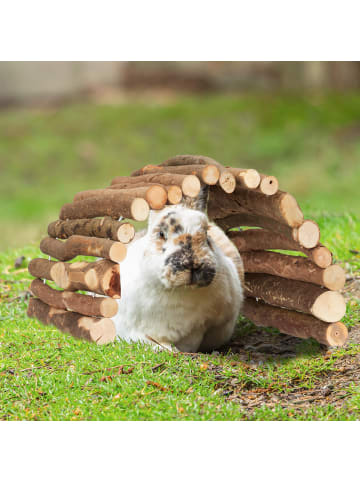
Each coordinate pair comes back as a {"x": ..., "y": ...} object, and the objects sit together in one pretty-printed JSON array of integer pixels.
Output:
[{"x": 162, "y": 235}]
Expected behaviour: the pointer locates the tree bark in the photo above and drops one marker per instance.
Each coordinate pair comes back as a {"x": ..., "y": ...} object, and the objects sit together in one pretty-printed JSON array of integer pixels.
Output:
[
  {"x": 262, "y": 239},
  {"x": 114, "y": 205},
  {"x": 68, "y": 300},
  {"x": 227, "y": 179},
  {"x": 41, "y": 268},
  {"x": 307, "y": 235},
  {"x": 294, "y": 323},
  {"x": 190, "y": 184},
  {"x": 293, "y": 267},
  {"x": 155, "y": 196},
  {"x": 208, "y": 174},
  {"x": 281, "y": 206},
  {"x": 189, "y": 159},
  {"x": 83, "y": 245},
  {"x": 246, "y": 178},
  {"x": 326, "y": 305},
  {"x": 98, "y": 227},
  {"x": 102, "y": 277},
  {"x": 98, "y": 330}
]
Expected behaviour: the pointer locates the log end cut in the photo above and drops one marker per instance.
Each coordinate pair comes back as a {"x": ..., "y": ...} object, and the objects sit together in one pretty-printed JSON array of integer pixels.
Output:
[
  {"x": 191, "y": 185},
  {"x": 291, "y": 211},
  {"x": 210, "y": 175},
  {"x": 250, "y": 178},
  {"x": 269, "y": 185},
  {"x": 321, "y": 256},
  {"x": 227, "y": 181},
  {"x": 308, "y": 234},
  {"x": 174, "y": 194},
  {"x": 329, "y": 306},
  {"x": 336, "y": 334},
  {"x": 126, "y": 233},
  {"x": 334, "y": 277},
  {"x": 156, "y": 196},
  {"x": 101, "y": 331},
  {"x": 117, "y": 252},
  {"x": 139, "y": 209}
]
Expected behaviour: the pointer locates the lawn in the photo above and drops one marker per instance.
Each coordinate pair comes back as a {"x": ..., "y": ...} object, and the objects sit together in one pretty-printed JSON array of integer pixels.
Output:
[{"x": 311, "y": 144}]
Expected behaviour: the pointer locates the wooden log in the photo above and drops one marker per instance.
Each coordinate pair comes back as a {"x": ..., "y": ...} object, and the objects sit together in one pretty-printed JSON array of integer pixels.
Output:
[
  {"x": 281, "y": 207},
  {"x": 98, "y": 330},
  {"x": 41, "y": 268},
  {"x": 83, "y": 245},
  {"x": 227, "y": 179},
  {"x": 97, "y": 227},
  {"x": 261, "y": 239},
  {"x": 268, "y": 185},
  {"x": 68, "y": 300},
  {"x": 102, "y": 277},
  {"x": 115, "y": 204},
  {"x": 156, "y": 195},
  {"x": 294, "y": 323},
  {"x": 247, "y": 178},
  {"x": 190, "y": 184},
  {"x": 174, "y": 193},
  {"x": 307, "y": 235},
  {"x": 208, "y": 174},
  {"x": 293, "y": 267},
  {"x": 326, "y": 305},
  {"x": 189, "y": 159}
]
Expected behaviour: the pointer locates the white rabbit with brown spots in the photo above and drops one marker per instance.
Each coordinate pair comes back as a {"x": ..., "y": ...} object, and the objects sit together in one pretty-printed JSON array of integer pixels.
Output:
[{"x": 181, "y": 282}]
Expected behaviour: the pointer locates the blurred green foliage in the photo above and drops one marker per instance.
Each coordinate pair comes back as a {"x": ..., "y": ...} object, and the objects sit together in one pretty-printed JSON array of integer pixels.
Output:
[{"x": 310, "y": 143}]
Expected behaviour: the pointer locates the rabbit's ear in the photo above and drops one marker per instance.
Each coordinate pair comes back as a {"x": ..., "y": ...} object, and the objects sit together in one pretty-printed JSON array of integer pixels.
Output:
[{"x": 200, "y": 202}]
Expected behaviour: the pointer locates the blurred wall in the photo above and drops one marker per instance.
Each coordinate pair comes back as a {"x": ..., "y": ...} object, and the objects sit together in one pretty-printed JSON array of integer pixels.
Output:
[
  {"x": 42, "y": 82},
  {"x": 244, "y": 75},
  {"x": 33, "y": 82}
]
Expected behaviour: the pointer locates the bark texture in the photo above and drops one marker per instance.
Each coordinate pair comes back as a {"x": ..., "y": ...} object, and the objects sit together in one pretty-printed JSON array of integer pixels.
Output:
[
  {"x": 293, "y": 267},
  {"x": 307, "y": 235},
  {"x": 97, "y": 227},
  {"x": 83, "y": 245},
  {"x": 262, "y": 239},
  {"x": 115, "y": 204},
  {"x": 326, "y": 305},
  {"x": 281, "y": 206},
  {"x": 190, "y": 184},
  {"x": 98, "y": 330},
  {"x": 68, "y": 300},
  {"x": 294, "y": 323}
]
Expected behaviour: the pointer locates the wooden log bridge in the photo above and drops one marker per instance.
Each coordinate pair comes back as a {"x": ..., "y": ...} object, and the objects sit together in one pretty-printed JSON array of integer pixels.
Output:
[{"x": 299, "y": 292}]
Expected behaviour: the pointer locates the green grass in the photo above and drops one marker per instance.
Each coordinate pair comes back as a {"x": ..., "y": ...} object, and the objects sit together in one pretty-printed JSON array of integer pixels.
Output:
[
  {"x": 46, "y": 375},
  {"x": 310, "y": 142}
]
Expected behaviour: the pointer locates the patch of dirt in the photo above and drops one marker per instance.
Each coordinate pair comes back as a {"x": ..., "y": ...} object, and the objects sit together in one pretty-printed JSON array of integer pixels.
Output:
[{"x": 255, "y": 348}]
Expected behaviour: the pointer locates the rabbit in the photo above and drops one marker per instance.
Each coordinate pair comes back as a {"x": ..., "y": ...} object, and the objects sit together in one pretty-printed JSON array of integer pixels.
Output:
[{"x": 181, "y": 282}]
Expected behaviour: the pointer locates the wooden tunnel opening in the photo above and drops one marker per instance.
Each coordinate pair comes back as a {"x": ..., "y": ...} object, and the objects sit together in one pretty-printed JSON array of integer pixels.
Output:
[{"x": 299, "y": 295}]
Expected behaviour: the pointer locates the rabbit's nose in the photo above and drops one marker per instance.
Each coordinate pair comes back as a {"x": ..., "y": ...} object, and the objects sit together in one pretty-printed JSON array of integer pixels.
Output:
[{"x": 202, "y": 275}]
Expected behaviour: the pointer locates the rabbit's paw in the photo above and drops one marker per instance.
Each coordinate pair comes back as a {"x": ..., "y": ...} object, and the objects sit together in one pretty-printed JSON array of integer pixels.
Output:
[{"x": 162, "y": 345}]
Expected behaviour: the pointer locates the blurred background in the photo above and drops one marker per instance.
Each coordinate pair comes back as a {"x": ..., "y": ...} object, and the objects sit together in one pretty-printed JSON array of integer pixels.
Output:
[{"x": 71, "y": 126}]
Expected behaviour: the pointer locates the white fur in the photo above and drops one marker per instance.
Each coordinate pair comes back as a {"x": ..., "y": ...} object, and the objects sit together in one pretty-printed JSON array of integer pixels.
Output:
[{"x": 188, "y": 317}]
